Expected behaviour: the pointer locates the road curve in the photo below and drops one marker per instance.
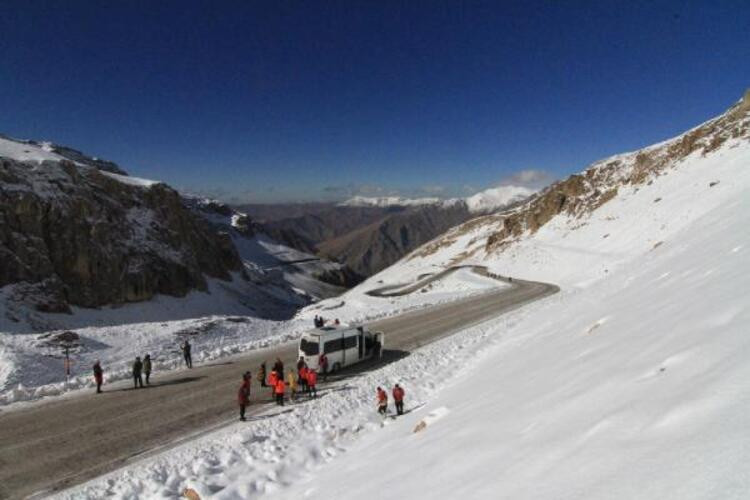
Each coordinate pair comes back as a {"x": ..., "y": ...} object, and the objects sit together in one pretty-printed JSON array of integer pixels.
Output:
[{"x": 52, "y": 445}]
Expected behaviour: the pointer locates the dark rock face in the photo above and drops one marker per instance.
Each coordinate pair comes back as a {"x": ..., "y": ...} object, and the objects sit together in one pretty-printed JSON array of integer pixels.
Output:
[{"x": 86, "y": 239}]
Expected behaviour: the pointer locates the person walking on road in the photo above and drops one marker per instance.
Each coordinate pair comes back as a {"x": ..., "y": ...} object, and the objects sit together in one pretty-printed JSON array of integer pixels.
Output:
[
  {"x": 292, "y": 382},
  {"x": 137, "y": 370},
  {"x": 312, "y": 381},
  {"x": 262, "y": 374},
  {"x": 186, "y": 348},
  {"x": 323, "y": 364},
  {"x": 382, "y": 402},
  {"x": 98, "y": 376},
  {"x": 278, "y": 366},
  {"x": 147, "y": 368},
  {"x": 279, "y": 390},
  {"x": 398, "y": 399},
  {"x": 243, "y": 395}
]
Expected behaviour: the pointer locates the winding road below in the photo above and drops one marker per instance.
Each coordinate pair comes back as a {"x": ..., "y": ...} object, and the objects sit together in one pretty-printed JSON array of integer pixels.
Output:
[{"x": 54, "y": 444}]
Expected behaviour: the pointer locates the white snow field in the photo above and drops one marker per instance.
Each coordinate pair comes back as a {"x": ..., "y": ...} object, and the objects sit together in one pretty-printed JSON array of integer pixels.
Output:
[{"x": 630, "y": 383}]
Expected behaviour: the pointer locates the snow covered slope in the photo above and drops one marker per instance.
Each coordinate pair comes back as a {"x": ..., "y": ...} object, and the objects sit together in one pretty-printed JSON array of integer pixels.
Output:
[
  {"x": 631, "y": 383},
  {"x": 580, "y": 229}
]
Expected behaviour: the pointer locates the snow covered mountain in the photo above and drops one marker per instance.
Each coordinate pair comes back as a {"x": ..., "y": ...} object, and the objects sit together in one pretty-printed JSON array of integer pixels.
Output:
[
  {"x": 630, "y": 383},
  {"x": 78, "y": 232}
]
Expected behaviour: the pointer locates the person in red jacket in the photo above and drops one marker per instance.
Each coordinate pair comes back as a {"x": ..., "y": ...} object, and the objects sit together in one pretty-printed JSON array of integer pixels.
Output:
[
  {"x": 303, "y": 371},
  {"x": 243, "y": 395},
  {"x": 382, "y": 401},
  {"x": 272, "y": 378},
  {"x": 312, "y": 380},
  {"x": 398, "y": 398},
  {"x": 279, "y": 388},
  {"x": 323, "y": 364}
]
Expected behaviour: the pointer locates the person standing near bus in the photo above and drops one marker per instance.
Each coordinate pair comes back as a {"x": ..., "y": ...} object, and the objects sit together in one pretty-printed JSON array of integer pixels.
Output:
[
  {"x": 273, "y": 377},
  {"x": 243, "y": 395},
  {"x": 382, "y": 401},
  {"x": 398, "y": 399},
  {"x": 98, "y": 376},
  {"x": 279, "y": 389},
  {"x": 323, "y": 364},
  {"x": 262, "y": 374},
  {"x": 312, "y": 381},
  {"x": 292, "y": 382},
  {"x": 303, "y": 378}
]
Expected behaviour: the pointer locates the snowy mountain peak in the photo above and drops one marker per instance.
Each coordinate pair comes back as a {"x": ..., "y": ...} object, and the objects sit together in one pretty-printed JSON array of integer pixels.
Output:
[
  {"x": 37, "y": 152},
  {"x": 388, "y": 201},
  {"x": 482, "y": 202}
]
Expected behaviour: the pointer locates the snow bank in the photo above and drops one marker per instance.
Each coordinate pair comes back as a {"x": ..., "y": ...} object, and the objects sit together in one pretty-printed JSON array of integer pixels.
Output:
[{"x": 633, "y": 388}]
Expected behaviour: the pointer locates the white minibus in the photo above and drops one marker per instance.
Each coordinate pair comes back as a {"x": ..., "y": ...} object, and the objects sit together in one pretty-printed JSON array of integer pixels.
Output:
[{"x": 343, "y": 346}]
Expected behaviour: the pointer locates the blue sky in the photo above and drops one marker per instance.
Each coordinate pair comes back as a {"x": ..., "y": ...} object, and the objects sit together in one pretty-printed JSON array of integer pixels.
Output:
[{"x": 285, "y": 101}]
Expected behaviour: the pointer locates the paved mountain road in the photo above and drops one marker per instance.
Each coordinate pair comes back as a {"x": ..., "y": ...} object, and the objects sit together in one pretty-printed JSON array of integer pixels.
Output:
[{"x": 52, "y": 445}]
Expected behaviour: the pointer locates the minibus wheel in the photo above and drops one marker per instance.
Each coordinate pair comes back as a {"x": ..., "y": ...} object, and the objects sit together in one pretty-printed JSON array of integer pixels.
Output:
[{"x": 336, "y": 367}]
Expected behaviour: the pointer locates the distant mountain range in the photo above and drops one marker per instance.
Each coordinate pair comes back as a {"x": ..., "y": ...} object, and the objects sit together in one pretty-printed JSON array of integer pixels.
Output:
[{"x": 369, "y": 234}]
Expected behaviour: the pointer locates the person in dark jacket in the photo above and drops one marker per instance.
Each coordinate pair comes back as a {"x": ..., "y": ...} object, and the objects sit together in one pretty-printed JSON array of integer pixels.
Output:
[
  {"x": 243, "y": 395},
  {"x": 98, "y": 376},
  {"x": 262, "y": 374},
  {"x": 186, "y": 348},
  {"x": 137, "y": 370},
  {"x": 147, "y": 368}
]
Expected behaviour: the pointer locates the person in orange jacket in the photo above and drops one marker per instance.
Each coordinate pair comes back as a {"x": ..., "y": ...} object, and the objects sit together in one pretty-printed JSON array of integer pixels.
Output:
[
  {"x": 243, "y": 395},
  {"x": 303, "y": 371},
  {"x": 398, "y": 399},
  {"x": 279, "y": 389},
  {"x": 312, "y": 380},
  {"x": 272, "y": 378},
  {"x": 382, "y": 401}
]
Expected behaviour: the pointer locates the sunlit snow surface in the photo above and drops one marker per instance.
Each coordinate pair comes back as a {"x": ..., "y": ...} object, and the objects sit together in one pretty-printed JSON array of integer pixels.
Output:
[{"x": 630, "y": 383}]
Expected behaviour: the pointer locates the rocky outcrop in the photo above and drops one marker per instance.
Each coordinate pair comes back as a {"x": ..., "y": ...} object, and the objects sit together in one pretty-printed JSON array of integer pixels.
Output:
[{"x": 80, "y": 237}]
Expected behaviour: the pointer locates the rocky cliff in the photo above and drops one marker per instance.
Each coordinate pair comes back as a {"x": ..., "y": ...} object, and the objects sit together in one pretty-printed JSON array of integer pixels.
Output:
[{"x": 74, "y": 234}]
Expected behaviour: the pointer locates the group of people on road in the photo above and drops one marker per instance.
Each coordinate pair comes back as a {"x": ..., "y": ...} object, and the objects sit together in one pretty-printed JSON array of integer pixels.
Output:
[
  {"x": 398, "y": 399},
  {"x": 307, "y": 378},
  {"x": 141, "y": 368}
]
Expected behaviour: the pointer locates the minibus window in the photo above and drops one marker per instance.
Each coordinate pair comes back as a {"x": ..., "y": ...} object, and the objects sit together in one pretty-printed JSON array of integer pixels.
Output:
[{"x": 309, "y": 347}]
